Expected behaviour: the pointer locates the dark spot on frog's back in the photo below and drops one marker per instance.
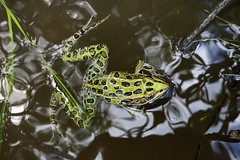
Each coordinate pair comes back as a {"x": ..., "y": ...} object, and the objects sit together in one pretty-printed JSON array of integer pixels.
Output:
[
  {"x": 137, "y": 83},
  {"x": 119, "y": 92},
  {"x": 116, "y": 74},
  {"x": 100, "y": 91},
  {"x": 127, "y": 93},
  {"x": 96, "y": 82},
  {"x": 149, "y": 89},
  {"x": 113, "y": 81},
  {"x": 129, "y": 77},
  {"x": 137, "y": 91},
  {"x": 112, "y": 94},
  {"x": 125, "y": 84},
  {"x": 149, "y": 84},
  {"x": 104, "y": 82},
  {"x": 105, "y": 87},
  {"x": 93, "y": 75},
  {"x": 94, "y": 90}
]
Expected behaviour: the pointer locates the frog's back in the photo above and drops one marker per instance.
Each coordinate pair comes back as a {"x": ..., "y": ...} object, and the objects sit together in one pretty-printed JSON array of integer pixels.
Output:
[{"x": 123, "y": 88}]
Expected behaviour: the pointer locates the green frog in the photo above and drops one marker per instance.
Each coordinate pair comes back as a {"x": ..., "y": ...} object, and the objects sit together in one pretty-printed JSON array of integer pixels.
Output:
[{"x": 145, "y": 85}]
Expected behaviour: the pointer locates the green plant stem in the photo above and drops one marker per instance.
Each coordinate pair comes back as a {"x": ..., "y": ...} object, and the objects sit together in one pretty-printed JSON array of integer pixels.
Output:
[{"x": 10, "y": 70}]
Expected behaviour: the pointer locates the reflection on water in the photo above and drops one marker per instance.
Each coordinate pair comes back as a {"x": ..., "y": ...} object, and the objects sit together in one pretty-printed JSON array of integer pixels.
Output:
[{"x": 202, "y": 102}]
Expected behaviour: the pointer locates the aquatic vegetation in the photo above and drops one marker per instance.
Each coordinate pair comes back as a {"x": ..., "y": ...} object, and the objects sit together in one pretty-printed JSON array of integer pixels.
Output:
[
  {"x": 202, "y": 103},
  {"x": 9, "y": 68}
]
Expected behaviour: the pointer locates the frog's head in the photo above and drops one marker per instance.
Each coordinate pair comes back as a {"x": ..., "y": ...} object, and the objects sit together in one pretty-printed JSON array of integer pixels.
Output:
[{"x": 163, "y": 86}]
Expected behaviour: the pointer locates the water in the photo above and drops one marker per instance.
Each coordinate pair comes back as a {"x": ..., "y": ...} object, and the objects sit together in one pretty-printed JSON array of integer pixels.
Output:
[{"x": 203, "y": 103}]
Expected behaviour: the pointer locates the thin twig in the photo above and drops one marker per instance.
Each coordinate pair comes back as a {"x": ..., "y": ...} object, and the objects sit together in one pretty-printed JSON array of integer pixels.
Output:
[{"x": 209, "y": 19}]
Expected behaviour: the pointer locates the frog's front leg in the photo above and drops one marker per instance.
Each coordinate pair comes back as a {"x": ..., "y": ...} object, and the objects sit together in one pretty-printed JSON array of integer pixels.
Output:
[
  {"x": 139, "y": 66},
  {"x": 86, "y": 28},
  {"x": 142, "y": 66}
]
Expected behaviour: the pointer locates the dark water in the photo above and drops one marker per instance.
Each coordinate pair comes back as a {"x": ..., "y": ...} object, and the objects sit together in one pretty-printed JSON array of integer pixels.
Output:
[{"x": 193, "y": 123}]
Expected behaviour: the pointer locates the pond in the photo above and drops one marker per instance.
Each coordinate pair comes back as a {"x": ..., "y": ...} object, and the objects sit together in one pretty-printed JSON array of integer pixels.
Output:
[{"x": 192, "y": 122}]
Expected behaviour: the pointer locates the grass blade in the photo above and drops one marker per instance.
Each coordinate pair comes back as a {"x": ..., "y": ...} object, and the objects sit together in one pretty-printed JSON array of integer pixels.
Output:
[
  {"x": 61, "y": 86},
  {"x": 12, "y": 17}
]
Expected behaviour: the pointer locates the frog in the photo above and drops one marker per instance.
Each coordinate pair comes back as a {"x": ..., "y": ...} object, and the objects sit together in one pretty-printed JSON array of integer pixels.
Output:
[{"x": 144, "y": 86}]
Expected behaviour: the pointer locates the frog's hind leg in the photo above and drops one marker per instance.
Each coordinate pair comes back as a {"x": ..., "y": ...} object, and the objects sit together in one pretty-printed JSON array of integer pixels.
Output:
[
  {"x": 86, "y": 28},
  {"x": 95, "y": 69},
  {"x": 99, "y": 54},
  {"x": 145, "y": 67},
  {"x": 81, "y": 117}
]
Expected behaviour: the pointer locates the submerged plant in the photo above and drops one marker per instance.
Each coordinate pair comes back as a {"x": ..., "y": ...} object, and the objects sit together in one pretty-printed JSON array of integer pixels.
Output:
[{"x": 9, "y": 76}]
